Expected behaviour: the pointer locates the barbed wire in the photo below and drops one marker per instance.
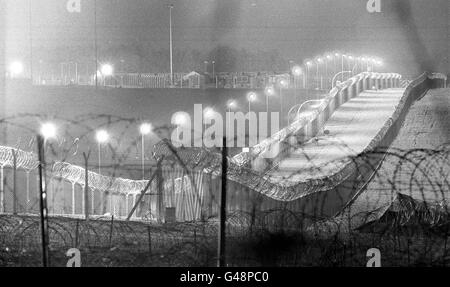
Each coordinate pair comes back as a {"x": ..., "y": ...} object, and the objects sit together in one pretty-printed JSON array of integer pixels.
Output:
[{"x": 391, "y": 199}]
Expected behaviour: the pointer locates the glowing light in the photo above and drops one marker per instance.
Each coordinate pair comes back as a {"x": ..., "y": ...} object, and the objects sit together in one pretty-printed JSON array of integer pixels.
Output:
[
  {"x": 102, "y": 136},
  {"x": 251, "y": 97},
  {"x": 231, "y": 104},
  {"x": 309, "y": 63},
  {"x": 319, "y": 60},
  {"x": 16, "y": 68},
  {"x": 329, "y": 57},
  {"x": 283, "y": 83},
  {"x": 107, "y": 70},
  {"x": 48, "y": 130},
  {"x": 180, "y": 118},
  {"x": 145, "y": 128},
  {"x": 296, "y": 71},
  {"x": 270, "y": 91},
  {"x": 209, "y": 113}
]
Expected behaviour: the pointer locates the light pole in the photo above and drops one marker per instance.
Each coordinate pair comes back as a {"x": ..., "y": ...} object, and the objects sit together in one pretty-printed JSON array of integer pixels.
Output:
[
  {"x": 180, "y": 119},
  {"x": 270, "y": 91},
  {"x": 349, "y": 63},
  {"x": 327, "y": 78},
  {"x": 95, "y": 43},
  {"x": 308, "y": 65},
  {"x": 106, "y": 70},
  {"x": 48, "y": 130},
  {"x": 170, "y": 6},
  {"x": 319, "y": 79},
  {"x": 102, "y": 137},
  {"x": 364, "y": 59},
  {"x": 251, "y": 97},
  {"x": 342, "y": 67},
  {"x": 282, "y": 84},
  {"x": 144, "y": 130},
  {"x": 231, "y": 104},
  {"x": 336, "y": 56},
  {"x": 296, "y": 72}
]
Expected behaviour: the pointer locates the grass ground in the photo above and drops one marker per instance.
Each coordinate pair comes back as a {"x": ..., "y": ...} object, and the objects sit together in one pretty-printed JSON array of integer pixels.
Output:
[{"x": 106, "y": 243}]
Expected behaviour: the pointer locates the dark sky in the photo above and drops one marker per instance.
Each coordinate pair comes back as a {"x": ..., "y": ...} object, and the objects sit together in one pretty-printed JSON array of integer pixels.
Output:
[{"x": 404, "y": 31}]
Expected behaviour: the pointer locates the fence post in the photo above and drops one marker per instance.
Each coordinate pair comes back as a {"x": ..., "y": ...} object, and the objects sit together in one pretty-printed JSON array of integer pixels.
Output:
[
  {"x": 86, "y": 184},
  {"x": 14, "y": 154},
  {"x": 223, "y": 208},
  {"x": 27, "y": 191},
  {"x": 2, "y": 190},
  {"x": 43, "y": 200},
  {"x": 73, "y": 198},
  {"x": 159, "y": 196}
]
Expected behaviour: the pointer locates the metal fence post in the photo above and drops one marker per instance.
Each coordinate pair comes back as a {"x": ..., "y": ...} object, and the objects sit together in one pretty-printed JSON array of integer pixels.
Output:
[
  {"x": 14, "y": 154},
  {"x": 43, "y": 200},
  {"x": 86, "y": 184},
  {"x": 223, "y": 208},
  {"x": 2, "y": 190},
  {"x": 159, "y": 197}
]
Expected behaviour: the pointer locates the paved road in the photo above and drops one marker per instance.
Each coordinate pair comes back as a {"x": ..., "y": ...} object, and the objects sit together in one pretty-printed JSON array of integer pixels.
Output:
[
  {"x": 351, "y": 128},
  {"x": 423, "y": 175}
]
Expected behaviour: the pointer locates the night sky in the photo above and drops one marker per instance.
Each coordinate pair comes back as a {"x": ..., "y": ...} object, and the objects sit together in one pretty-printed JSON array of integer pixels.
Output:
[{"x": 409, "y": 35}]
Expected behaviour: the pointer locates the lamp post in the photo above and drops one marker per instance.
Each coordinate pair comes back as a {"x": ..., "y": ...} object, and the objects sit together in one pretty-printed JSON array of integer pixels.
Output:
[
  {"x": 214, "y": 73},
  {"x": 364, "y": 60},
  {"x": 95, "y": 44},
  {"x": 327, "y": 78},
  {"x": 269, "y": 91},
  {"x": 106, "y": 70},
  {"x": 231, "y": 104},
  {"x": 102, "y": 137},
  {"x": 296, "y": 72},
  {"x": 349, "y": 63},
  {"x": 251, "y": 97},
  {"x": 180, "y": 119},
  {"x": 48, "y": 130},
  {"x": 144, "y": 130},
  {"x": 208, "y": 115},
  {"x": 319, "y": 78},
  {"x": 282, "y": 84},
  {"x": 171, "y": 6},
  {"x": 308, "y": 65},
  {"x": 336, "y": 56}
]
